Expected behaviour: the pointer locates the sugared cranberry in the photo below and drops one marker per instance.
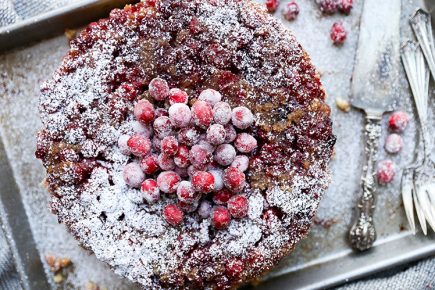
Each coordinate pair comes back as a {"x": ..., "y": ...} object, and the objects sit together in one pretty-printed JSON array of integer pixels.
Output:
[
  {"x": 394, "y": 143},
  {"x": 220, "y": 217},
  {"x": 210, "y": 96},
  {"x": 158, "y": 89},
  {"x": 188, "y": 136},
  {"x": 345, "y": 6},
  {"x": 186, "y": 193},
  {"x": 230, "y": 133},
  {"x": 218, "y": 175},
  {"x": 133, "y": 175},
  {"x": 216, "y": 134},
  {"x": 162, "y": 126},
  {"x": 290, "y": 11},
  {"x": 398, "y": 121},
  {"x": 187, "y": 207},
  {"x": 222, "y": 113},
  {"x": 241, "y": 162},
  {"x": 204, "y": 209},
  {"x": 168, "y": 181},
  {"x": 165, "y": 162},
  {"x": 222, "y": 196},
  {"x": 203, "y": 181},
  {"x": 234, "y": 179},
  {"x": 206, "y": 145},
  {"x": 272, "y": 5},
  {"x": 139, "y": 145},
  {"x": 199, "y": 156},
  {"x": 122, "y": 144},
  {"x": 161, "y": 112},
  {"x": 144, "y": 111},
  {"x": 245, "y": 143},
  {"x": 181, "y": 159},
  {"x": 386, "y": 171},
  {"x": 169, "y": 145},
  {"x": 225, "y": 154},
  {"x": 191, "y": 170},
  {"x": 149, "y": 164},
  {"x": 173, "y": 214},
  {"x": 238, "y": 206},
  {"x": 127, "y": 91},
  {"x": 180, "y": 115},
  {"x": 338, "y": 33},
  {"x": 328, "y": 6},
  {"x": 142, "y": 129},
  {"x": 177, "y": 96},
  {"x": 234, "y": 268},
  {"x": 242, "y": 117},
  {"x": 150, "y": 190},
  {"x": 202, "y": 114}
]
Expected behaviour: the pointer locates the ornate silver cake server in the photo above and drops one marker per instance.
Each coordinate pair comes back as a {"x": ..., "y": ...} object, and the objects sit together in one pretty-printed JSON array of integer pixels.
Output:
[{"x": 373, "y": 90}]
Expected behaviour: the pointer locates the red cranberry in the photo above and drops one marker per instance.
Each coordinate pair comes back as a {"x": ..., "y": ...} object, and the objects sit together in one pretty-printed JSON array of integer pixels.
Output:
[
  {"x": 210, "y": 96},
  {"x": 168, "y": 181},
  {"x": 245, "y": 143},
  {"x": 234, "y": 179},
  {"x": 162, "y": 127},
  {"x": 345, "y": 6},
  {"x": 222, "y": 196},
  {"x": 202, "y": 114},
  {"x": 220, "y": 217},
  {"x": 290, "y": 11},
  {"x": 241, "y": 162},
  {"x": 165, "y": 162},
  {"x": 230, "y": 134},
  {"x": 398, "y": 121},
  {"x": 204, "y": 209},
  {"x": 216, "y": 134},
  {"x": 186, "y": 192},
  {"x": 328, "y": 6},
  {"x": 188, "y": 136},
  {"x": 150, "y": 190},
  {"x": 199, "y": 156},
  {"x": 161, "y": 112},
  {"x": 177, "y": 96},
  {"x": 122, "y": 144},
  {"x": 149, "y": 164},
  {"x": 187, "y": 207},
  {"x": 234, "y": 268},
  {"x": 144, "y": 111},
  {"x": 180, "y": 115},
  {"x": 386, "y": 171},
  {"x": 272, "y": 5},
  {"x": 222, "y": 113},
  {"x": 242, "y": 117},
  {"x": 173, "y": 214},
  {"x": 181, "y": 159},
  {"x": 139, "y": 145},
  {"x": 133, "y": 175},
  {"x": 238, "y": 206},
  {"x": 394, "y": 143},
  {"x": 225, "y": 154},
  {"x": 338, "y": 33},
  {"x": 203, "y": 181},
  {"x": 158, "y": 89},
  {"x": 142, "y": 129},
  {"x": 169, "y": 145},
  {"x": 127, "y": 91},
  {"x": 218, "y": 175}
]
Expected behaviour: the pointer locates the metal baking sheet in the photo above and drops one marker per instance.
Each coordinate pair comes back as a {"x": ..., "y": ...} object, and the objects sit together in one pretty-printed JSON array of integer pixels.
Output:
[{"x": 323, "y": 259}]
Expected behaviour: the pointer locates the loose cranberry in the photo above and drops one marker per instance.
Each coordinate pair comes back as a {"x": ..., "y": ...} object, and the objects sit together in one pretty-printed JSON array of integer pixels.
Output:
[
  {"x": 173, "y": 214},
  {"x": 139, "y": 145},
  {"x": 177, "y": 96},
  {"x": 338, "y": 33},
  {"x": 203, "y": 181},
  {"x": 187, "y": 207},
  {"x": 234, "y": 268},
  {"x": 149, "y": 164},
  {"x": 180, "y": 115},
  {"x": 133, "y": 175},
  {"x": 202, "y": 114},
  {"x": 245, "y": 143},
  {"x": 398, "y": 121},
  {"x": 142, "y": 129},
  {"x": 188, "y": 136},
  {"x": 234, "y": 179},
  {"x": 169, "y": 145},
  {"x": 242, "y": 117},
  {"x": 216, "y": 134},
  {"x": 168, "y": 181},
  {"x": 225, "y": 154},
  {"x": 206, "y": 145},
  {"x": 386, "y": 171},
  {"x": 394, "y": 143},
  {"x": 162, "y": 126},
  {"x": 218, "y": 175},
  {"x": 127, "y": 91},
  {"x": 161, "y": 112},
  {"x": 222, "y": 113},
  {"x": 204, "y": 209},
  {"x": 181, "y": 159},
  {"x": 238, "y": 206},
  {"x": 165, "y": 162},
  {"x": 199, "y": 156},
  {"x": 272, "y": 5},
  {"x": 241, "y": 162},
  {"x": 328, "y": 6},
  {"x": 144, "y": 111},
  {"x": 222, "y": 196},
  {"x": 158, "y": 89},
  {"x": 220, "y": 217},
  {"x": 345, "y": 6},
  {"x": 150, "y": 190},
  {"x": 290, "y": 11},
  {"x": 230, "y": 134},
  {"x": 186, "y": 192},
  {"x": 210, "y": 96},
  {"x": 122, "y": 144}
]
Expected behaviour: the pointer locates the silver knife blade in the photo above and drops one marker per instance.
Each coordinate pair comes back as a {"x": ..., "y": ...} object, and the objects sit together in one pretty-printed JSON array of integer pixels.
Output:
[{"x": 376, "y": 70}]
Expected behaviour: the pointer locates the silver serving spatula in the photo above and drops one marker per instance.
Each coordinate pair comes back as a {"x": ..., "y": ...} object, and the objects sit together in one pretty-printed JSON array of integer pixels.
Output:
[{"x": 374, "y": 83}]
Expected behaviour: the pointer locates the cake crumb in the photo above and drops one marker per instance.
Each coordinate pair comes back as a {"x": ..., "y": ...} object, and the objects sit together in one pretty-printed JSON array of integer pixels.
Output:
[{"x": 342, "y": 104}]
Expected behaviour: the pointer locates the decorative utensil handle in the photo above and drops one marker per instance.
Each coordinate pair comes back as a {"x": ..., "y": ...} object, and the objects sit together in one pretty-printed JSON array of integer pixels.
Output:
[{"x": 363, "y": 234}]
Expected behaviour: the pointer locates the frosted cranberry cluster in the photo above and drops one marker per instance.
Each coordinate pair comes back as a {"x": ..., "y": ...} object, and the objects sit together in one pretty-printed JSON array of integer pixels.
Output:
[{"x": 195, "y": 154}]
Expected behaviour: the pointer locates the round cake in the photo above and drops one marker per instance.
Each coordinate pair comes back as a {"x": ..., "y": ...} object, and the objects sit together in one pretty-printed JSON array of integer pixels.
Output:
[{"x": 186, "y": 143}]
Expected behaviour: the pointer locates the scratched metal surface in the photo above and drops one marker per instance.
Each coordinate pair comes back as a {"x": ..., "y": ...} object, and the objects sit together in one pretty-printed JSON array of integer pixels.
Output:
[{"x": 323, "y": 258}]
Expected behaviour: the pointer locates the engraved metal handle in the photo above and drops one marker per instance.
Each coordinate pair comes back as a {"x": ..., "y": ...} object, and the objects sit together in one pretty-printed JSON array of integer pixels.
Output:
[{"x": 363, "y": 234}]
